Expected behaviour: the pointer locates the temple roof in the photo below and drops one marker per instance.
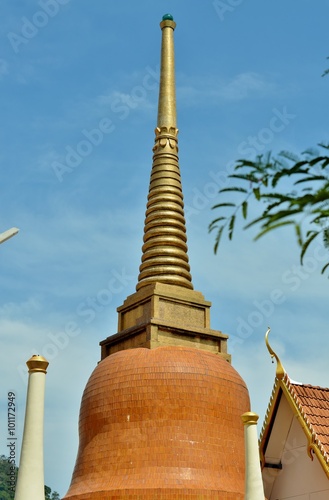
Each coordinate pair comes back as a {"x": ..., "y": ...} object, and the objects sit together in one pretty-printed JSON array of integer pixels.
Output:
[
  {"x": 313, "y": 404},
  {"x": 309, "y": 404}
]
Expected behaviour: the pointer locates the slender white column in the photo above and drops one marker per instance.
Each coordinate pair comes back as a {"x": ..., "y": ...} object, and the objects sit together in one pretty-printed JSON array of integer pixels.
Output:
[
  {"x": 30, "y": 479},
  {"x": 254, "y": 489}
]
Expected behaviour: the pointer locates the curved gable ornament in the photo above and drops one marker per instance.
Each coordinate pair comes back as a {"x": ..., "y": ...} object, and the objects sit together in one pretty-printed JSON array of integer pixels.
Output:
[{"x": 280, "y": 371}]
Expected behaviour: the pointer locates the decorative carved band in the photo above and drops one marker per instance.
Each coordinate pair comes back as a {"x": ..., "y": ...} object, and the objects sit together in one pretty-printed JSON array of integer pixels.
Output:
[{"x": 166, "y": 137}]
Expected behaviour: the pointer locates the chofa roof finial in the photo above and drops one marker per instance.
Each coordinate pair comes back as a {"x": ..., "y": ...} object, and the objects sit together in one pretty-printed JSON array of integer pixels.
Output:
[{"x": 280, "y": 371}]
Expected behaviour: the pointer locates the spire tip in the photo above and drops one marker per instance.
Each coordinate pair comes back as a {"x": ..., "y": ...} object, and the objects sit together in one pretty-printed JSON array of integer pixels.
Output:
[
  {"x": 167, "y": 22},
  {"x": 167, "y": 17}
]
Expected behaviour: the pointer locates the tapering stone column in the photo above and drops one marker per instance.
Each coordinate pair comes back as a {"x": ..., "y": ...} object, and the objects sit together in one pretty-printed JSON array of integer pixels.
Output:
[
  {"x": 30, "y": 480},
  {"x": 254, "y": 489}
]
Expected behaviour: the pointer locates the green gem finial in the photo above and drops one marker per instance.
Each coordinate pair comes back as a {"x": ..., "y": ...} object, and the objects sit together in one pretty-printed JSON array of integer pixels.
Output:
[{"x": 167, "y": 17}]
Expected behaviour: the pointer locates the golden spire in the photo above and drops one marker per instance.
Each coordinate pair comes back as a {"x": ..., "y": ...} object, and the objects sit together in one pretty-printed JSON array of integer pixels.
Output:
[
  {"x": 167, "y": 90},
  {"x": 164, "y": 256}
]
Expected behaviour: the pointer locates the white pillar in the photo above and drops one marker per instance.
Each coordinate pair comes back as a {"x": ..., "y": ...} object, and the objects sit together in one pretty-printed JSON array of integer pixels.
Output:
[
  {"x": 254, "y": 489},
  {"x": 30, "y": 479}
]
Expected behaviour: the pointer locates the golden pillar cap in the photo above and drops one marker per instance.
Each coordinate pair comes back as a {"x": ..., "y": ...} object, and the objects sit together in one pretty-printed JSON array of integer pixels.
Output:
[
  {"x": 249, "y": 418},
  {"x": 37, "y": 364}
]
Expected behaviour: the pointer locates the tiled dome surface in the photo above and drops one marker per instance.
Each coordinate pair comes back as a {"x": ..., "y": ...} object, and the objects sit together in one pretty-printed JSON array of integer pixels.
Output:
[{"x": 161, "y": 424}]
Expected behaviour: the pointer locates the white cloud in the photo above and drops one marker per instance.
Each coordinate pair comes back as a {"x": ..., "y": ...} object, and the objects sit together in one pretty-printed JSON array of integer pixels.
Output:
[
  {"x": 212, "y": 91},
  {"x": 119, "y": 104},
  {"x": 245, "y": 85},
  {"x": 18, "y": 309}
]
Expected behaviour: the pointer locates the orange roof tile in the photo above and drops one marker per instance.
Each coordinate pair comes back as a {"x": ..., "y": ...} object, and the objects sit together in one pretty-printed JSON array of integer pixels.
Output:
[{"x": 313, "y": 404}]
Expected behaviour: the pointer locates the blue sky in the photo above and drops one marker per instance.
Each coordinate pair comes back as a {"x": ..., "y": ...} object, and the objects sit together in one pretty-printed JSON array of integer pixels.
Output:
[{"x": 78, "y": 110}]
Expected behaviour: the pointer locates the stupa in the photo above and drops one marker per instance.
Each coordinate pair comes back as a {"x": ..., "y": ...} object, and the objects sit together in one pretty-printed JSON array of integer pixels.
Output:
[{"x": 161, "y": 414}]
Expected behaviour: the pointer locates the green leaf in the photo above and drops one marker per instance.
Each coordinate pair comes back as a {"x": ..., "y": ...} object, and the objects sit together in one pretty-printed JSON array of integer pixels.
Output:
[
  {"x": 257, "y": 193},
  {"x": 255, "y": 221},
  {"x": 244, "y": 209},
  {"x": 216, "y": 220},
  {"x": 245, "y": 163},
  {"x": 317, "y": 160},
  {"x": 299, "y": 234},
  {"x": 283, "y": 213},
  {"x": 218, "y": 237},
  {"x": 231, "y": 227},
  {"x": 312, "y": 178},
  {"x": 238, "y": 189},
  {"x": 223, "y": 205},
  {"x": 324, "y": 268},
  {"x": 326, "y": 237},
  {"x": 313, "y": 234},
  {"x": 302, "y": 163},
  {"x": 213, "y": 224},
  {"x": 274, "y": 226}
]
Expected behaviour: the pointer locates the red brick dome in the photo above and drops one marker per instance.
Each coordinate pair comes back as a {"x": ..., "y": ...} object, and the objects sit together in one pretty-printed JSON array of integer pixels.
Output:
[{"x": 161, "y": 424}]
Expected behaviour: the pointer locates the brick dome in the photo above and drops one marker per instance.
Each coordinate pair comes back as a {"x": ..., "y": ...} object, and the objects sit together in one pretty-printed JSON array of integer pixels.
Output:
[{"x": 161, "y": 424}]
